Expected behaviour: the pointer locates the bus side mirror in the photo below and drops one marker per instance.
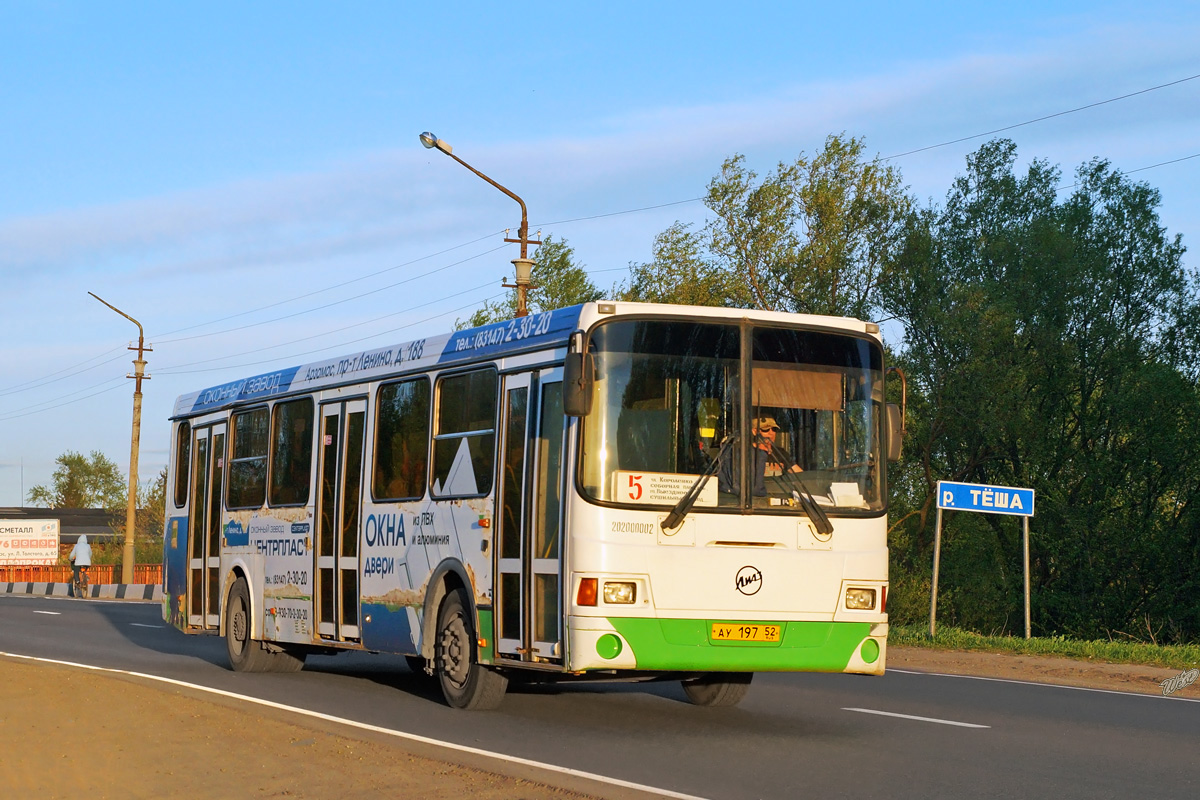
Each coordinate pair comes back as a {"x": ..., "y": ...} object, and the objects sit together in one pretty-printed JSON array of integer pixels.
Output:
[
  {"x": 578, "y": 375},
  {"x": 895, "y": 431}
]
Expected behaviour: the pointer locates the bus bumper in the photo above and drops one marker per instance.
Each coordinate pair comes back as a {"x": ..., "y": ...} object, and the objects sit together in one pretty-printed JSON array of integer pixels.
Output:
[{"x": 685, "y": 645}]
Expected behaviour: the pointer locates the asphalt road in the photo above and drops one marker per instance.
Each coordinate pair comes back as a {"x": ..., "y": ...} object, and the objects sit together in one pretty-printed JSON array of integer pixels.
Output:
[{"x": 903, "y": 735}]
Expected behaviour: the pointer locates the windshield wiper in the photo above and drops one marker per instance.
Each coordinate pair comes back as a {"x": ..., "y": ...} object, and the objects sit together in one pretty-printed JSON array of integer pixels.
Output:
[
  {"x": 681, "y": 509},
  {"x": 800, "y": 492}
]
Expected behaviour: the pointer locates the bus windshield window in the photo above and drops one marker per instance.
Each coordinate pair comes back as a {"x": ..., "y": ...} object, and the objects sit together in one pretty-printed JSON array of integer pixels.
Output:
[
  {"x": 816, "y": 418},
  {"x": 667, "y": 406},
  {"x": 666, "y": 398}
]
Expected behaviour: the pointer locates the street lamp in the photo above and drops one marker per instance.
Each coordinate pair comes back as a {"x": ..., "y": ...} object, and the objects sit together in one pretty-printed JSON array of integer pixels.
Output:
[
  {"x": 139, "y": 373},
  {"x": 523, "y": 265}
]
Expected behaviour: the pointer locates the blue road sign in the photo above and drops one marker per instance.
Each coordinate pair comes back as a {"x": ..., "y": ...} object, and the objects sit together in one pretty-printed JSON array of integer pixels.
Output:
[{"x": 988, "y": 499}]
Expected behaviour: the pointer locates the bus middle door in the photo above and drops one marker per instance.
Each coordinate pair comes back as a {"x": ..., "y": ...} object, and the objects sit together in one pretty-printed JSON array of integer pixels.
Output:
[
  {"x": 339, "y": 507},
  {"x": 529, "y": 555}
]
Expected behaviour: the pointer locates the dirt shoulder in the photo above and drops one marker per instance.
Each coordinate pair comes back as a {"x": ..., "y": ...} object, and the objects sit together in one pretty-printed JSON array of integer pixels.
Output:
[
  {"x": 70, "y": 732},
  {"x": 67, "y": 732},
  {"x": 1040, "y": 669}
]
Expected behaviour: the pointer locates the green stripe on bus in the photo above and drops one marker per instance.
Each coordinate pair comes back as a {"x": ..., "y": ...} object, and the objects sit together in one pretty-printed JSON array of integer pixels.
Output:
[{"x": 684, "y": 644}]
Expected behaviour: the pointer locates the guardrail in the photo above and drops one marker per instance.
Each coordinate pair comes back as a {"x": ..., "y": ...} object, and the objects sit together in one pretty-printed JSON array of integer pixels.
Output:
[{"x": 97, "y": 574}]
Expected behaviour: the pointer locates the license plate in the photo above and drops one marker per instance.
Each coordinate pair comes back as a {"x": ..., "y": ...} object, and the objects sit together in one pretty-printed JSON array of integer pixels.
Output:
[{"x": 745, "y": 632}]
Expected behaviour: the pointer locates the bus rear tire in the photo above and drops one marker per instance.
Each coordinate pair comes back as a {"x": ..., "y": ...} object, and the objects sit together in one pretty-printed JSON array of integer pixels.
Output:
[
  {"x": 246, "y": 654},
  {"x": 718, "y": 689},
  {"x": 465, "y": 682}
]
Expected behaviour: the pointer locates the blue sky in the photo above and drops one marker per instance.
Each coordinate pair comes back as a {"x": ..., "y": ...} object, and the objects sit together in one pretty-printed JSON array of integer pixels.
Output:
[{"x": 193, "y": 163}]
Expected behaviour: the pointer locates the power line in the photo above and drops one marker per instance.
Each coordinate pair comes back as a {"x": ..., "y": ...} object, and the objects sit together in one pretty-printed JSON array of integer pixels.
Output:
[
  {"x": 1042, "y": 119},
  {"x": 1139, "y": 169},
  {"x": 343, "y": 344},
  {"x": 176, "y": 368},
  {"x": 60, "y": 405},
  {"x": 46, "y": 380},
  {"x": 328, "y": 288},
  {"x": 333, "y": 303},
  {"x": 618, "y": 213}
]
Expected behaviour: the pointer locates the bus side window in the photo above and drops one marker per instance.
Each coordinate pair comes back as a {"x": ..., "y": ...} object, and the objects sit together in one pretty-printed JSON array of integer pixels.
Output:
[
  {"x": 401, "y": 441},
  {"x": 183, "y": 460},
  {"x": 464, "y": 443},
  {"x": 291, "y": 452},
  {"x": 248, "y": 465}
]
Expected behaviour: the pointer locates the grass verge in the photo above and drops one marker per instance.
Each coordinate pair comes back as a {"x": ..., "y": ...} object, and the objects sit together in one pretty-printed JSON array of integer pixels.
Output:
[{"x": 1184, "y": 656}]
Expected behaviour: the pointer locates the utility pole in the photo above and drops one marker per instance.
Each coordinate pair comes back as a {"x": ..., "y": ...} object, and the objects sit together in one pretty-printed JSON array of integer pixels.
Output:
[
  {"x": 139, "y": 372},
  {"x": 523, "y": 266}
]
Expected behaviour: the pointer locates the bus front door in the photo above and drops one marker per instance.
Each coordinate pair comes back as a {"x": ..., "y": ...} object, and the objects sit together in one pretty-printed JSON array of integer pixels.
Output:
[
  {"x": 339, "y": 507},
  {"x": 204, "y": 525},
  {"x": 528, "y": 599}
]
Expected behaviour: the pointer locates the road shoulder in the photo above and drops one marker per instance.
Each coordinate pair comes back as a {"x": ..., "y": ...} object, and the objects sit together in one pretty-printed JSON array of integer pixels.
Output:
[{"x": 1040, "y": 669}]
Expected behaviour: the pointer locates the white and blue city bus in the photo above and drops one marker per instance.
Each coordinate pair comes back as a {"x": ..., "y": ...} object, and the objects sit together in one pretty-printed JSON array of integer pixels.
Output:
[{"x": 586, "y": 492}]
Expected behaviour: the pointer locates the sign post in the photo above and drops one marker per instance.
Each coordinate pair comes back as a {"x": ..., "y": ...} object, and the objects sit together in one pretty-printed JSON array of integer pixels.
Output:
[{"x": 954, "y": 496}]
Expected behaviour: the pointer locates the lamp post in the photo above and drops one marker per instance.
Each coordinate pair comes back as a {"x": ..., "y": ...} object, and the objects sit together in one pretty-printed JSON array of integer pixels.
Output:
[
  {"x": 139, "y": 370},
  {"x": 523, "y": 265}
]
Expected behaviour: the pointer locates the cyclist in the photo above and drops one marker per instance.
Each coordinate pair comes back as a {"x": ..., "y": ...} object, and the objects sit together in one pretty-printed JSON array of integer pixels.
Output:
[{"x": 81, "y": 556}]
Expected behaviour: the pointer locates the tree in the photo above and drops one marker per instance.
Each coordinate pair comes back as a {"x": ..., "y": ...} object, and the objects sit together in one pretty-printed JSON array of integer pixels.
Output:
[
  {"x": 816, "y": 236},
  {"x": 680, "y": 273},
  {"x": 558, "y": 282},
  {"x": 1042, "y": 344},
  {"x": 149, "y": 522},
  {"x": 82, "y": 482}
]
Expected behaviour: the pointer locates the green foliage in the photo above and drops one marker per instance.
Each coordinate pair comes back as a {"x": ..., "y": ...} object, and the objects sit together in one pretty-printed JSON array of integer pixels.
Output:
[
  {"x": 149, "y": 522},
  {"x": 1043, "y": 349},
  {"x": 558, "y": 282},
  {"x": 681, "y": 273},
  {"x": 82, "y": 482},
  {"x": 815, "y": 237}
]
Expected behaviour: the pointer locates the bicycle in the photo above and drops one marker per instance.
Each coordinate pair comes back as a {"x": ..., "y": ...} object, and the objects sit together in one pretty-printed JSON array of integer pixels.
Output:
[{"x": 79, "y": 584}]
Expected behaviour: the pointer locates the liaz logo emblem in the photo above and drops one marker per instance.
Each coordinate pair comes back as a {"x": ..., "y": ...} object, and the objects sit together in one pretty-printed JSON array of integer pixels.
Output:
[{"x": 749, "y": 580}]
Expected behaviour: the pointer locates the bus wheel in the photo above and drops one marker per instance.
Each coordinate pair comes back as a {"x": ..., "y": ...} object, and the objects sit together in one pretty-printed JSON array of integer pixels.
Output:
[
  {"x": 718, "y": 688},
  {"x": 246, "y": 654},
  {"x": 465, "y": 682}
]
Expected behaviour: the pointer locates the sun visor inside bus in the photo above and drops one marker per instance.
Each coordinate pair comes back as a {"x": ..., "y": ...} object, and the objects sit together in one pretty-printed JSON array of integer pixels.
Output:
[{"x": 793, "y": 386}]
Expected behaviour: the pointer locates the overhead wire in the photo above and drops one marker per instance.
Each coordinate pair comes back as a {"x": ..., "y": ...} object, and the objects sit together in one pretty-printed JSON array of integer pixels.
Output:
[
  {"x": 176, "y": 368},
  {"x": 327, "y": 288},
  {"x": 1043, "y": 118},
  {"x": 46, "y": 380},
  {"x": 335, "y": 302},
  {"x": 323, "y": 349}
]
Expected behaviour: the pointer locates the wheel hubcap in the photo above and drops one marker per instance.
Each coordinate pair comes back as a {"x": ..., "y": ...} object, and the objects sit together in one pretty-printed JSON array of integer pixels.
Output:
[
  {"x": 456, "y": 659},
  {"x": 238, "y": 623}
]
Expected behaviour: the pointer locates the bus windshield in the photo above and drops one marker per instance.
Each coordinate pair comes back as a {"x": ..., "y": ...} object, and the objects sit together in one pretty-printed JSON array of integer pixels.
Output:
[{"x": 668, "y": 402}]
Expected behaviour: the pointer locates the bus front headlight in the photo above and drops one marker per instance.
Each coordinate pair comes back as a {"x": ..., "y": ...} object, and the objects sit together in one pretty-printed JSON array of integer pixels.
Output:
[
  {"x": 620, "y": 592},
  {"x": 860, "y": 599}
]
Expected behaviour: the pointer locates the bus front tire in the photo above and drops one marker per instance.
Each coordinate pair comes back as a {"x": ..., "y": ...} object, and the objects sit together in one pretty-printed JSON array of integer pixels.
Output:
[
  {"x": 465, "y": 682},
  {"x": 246, "y": 654},
  {"x": 717, "y": 689}
]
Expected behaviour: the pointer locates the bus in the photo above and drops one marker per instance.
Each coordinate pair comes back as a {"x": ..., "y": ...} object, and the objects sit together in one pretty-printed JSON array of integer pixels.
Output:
[{"x": 609, "y": 491}]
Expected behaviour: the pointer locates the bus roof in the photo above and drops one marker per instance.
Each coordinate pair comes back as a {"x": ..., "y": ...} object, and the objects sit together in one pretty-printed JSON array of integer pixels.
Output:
[
  {"x": 547, "y": 330},
  {"x": 544, "y": 331}
]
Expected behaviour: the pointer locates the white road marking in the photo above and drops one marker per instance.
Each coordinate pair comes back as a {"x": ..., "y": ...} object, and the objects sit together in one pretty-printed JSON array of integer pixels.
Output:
[
  {"x": 1047, "y": 685},
  {"x": 919, "y": 719},
  {"x": 144, "y": 625},
  {"x": 375, "y": 729},
  {"x": 51, "y": 613}
]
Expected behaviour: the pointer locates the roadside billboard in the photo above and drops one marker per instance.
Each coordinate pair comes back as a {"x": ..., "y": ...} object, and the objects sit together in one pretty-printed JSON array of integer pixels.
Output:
[{"x": 28, "y": 542}]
